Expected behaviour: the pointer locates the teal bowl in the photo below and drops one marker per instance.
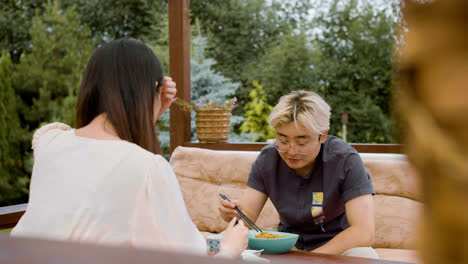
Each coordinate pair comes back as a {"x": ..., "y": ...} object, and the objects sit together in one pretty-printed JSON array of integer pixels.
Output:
[{"x": 272, "y": 245}]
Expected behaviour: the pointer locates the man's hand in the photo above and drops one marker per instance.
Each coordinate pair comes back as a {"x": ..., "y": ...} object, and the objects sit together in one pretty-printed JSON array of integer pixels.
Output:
[
  {"x": 360, "y": 233},
  {"x": 227, "y": 211}
]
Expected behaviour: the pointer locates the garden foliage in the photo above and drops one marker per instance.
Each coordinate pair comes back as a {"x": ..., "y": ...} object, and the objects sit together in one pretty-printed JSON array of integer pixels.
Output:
[
  {"x": 256, "y": 50},
  {"x": 256, "y": 115},
  {"x": 13, "y": 179}
]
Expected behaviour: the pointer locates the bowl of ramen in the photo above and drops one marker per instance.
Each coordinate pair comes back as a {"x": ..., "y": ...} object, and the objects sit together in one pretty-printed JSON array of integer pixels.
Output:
[{"x": 272, "y": 241}]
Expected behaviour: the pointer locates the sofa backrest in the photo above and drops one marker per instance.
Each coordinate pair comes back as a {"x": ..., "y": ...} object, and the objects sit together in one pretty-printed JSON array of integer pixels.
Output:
[{"x": 204, "y": 173}]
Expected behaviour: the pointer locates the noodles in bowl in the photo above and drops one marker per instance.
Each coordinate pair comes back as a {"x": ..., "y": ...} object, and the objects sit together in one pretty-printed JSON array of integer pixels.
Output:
[
  {"x": 272, "y": 241},
  {"x": 268, "y": 235}
]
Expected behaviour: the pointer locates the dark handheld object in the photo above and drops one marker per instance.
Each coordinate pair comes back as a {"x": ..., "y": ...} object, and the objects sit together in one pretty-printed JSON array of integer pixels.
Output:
[{"x": 252, "y": 224}]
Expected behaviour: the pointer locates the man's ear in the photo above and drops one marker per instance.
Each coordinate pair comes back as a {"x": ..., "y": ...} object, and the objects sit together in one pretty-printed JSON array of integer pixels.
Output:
[{"x": 323, "y": 137}]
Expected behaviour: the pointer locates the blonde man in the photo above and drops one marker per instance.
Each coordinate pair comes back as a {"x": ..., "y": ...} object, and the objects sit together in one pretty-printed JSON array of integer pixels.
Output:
[{"x": 317, "y": 182}]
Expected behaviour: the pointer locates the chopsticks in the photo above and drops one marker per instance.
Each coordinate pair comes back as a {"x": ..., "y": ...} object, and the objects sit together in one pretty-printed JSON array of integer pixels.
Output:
[{"x": 252, "y": 224}]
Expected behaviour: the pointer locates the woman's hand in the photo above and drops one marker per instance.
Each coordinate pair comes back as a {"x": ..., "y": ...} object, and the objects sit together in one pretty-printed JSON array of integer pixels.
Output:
[
  {"x": 226, "y": 210},
  {"x": 168, "y": 93},
  {"x": 235, "y": 238}
]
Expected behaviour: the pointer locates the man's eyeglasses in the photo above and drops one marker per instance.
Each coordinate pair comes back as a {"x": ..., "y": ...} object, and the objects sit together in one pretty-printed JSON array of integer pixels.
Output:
[{"x": 300, "y": 148}]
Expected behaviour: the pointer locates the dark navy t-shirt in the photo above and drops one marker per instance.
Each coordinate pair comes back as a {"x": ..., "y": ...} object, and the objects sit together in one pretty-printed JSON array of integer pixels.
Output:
[{"x": 312, "y": 206}]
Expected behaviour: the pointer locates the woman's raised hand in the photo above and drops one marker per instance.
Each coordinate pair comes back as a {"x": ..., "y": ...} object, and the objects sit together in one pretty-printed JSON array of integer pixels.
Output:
[
  {"x": 168, "y": 93},
  {"x": 235, "y": 238}
]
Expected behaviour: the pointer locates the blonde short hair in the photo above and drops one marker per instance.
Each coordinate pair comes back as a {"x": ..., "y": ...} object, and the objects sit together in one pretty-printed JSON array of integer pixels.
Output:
[{"x": 305, "y": 107}]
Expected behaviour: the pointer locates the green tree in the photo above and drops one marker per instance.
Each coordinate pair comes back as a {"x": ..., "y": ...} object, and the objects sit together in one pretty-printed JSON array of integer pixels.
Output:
[
  {"x": 353, "y": 69},
  {"x": 257, "y": 111},
  {"x": 49, "y": 76},
  {"x": 285, "y": 67},
  {"x": 159, "y": 42},
  {"x": 113, "y": 19},
  {"x": 13, "y": 180},
  {"x": 239, "y": 32},
  {"x": 106, "y": 19},
  {"x": 15, "y": 22}
]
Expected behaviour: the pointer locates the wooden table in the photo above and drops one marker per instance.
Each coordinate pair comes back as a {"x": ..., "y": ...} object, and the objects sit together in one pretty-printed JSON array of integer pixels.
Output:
[
  {"x": 316, "y": 258},
  {"x": 35, "y": 251}
]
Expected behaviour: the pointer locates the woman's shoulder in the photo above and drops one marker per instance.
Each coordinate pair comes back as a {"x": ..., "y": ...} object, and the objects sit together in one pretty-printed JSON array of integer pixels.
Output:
[
  {"x": 143, "y": 156},
  {"x": 52, "y": 128},
  {"x": 152, "y": 164}
]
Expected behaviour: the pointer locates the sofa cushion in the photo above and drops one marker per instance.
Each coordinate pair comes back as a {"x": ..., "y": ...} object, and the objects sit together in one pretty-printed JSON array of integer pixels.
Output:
[
  {"x": 218, "y": 167},
  {"x": 396, "y": 221},
  {"x": 392, "y": 174},
  {"x": 204, "y": 173},
  {"x": 202, "y": 201}
]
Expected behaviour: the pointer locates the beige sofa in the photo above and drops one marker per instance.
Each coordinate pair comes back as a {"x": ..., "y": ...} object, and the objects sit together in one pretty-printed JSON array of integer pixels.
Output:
[{"x": 203, "y": 174}]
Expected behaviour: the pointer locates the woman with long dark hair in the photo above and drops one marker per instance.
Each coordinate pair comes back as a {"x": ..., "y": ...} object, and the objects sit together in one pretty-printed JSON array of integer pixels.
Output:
[{"x": 104, "y": 182}]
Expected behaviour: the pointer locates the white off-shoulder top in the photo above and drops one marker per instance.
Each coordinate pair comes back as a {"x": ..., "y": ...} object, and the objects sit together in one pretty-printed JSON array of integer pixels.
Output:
[{"x": 104, "y": 191}]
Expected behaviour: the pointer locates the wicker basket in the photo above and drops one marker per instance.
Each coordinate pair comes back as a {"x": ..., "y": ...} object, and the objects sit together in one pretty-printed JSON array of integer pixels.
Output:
[{"x": 213, "y": 125}]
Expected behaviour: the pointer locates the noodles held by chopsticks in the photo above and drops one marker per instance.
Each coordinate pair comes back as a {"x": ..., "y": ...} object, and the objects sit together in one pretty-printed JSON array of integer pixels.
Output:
[{"x": 267, "y": 235}]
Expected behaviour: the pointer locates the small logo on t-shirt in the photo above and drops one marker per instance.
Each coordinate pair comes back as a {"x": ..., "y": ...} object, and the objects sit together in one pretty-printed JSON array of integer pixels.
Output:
[
  {"x": 317, "y": 198},
  {"x": 317, "y": 208},
  {"x": 316, "y": 211}
]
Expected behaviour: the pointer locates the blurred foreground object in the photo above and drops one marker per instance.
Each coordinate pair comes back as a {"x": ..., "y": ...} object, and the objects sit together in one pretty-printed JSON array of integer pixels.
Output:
[{"x": 434, "y": 102}]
